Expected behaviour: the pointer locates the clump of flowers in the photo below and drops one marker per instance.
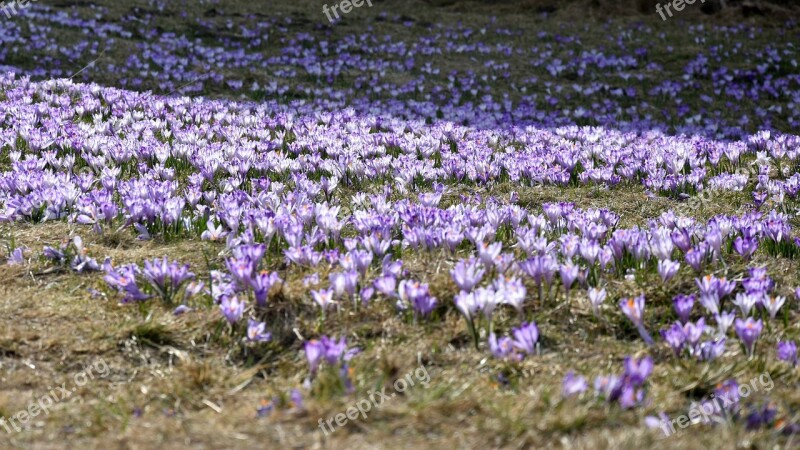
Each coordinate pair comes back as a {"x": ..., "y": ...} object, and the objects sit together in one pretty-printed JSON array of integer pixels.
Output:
[
  {"x": 628, "y": 389},
  {"x": 166, "y": 278},
  {"x": 524, "y": 342},
  {"x": 16, "y": 255},
  {"x": 72, "y": 251},
  {"x": 163, "y": 279},
  {"x": 335, "y": 356}
]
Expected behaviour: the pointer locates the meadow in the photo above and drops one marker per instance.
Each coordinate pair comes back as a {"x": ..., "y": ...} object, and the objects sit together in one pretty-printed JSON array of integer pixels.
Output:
[{"x": 465, "y": 224}]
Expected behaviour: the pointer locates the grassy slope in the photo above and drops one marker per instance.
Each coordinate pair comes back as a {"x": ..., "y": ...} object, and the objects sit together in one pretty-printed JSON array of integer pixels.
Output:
[{"x": 174, "y": 368}]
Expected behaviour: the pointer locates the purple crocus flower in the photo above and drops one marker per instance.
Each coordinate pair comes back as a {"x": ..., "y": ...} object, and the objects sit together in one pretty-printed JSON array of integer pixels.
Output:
[
  {"x": 467, "y": 274},
  {"x": 787, "y": 351},
  {"x": 51, "y": 253},
  {"x": 180, "y": 310},
  {"x": 510, "y": 291},
  {"x": 16, "y": 257},
  {"x": 746, "y": 302},
  {"x": 629, "y": 396},
  {"x": 773, "y": 304},
  {"x": 467, "y": 304},
  {"x": 637, "y": 370},
  {"x": 573, "y": 385},
  {"x": 711, "y": 350},
  {"x": 314, "y": 352},
  {"x": 568, "y": 273},
  {"x": 502, "y": 348},
  {"x": 693, "y": 332},
  {"x": 724, "y": 321},
  {"x": 124, "y": 281},
  {"x": 727, "y": 394},
  {"x": 262, "y": 283},
  {"x": 675, "y": 337},
  {"x": 526, "y": 337},
  {"x": 323, "y": 298},
  {"x": 667, "y": 269},
  {"x": 386, "y": 285},
  {"x": 166, "y": 278},
  {"x": 609, "y": 387},
  {"x": 633, "y": 308},
  {"x": 256, "y": 331},
  {"x": 541, "y": 268},
  {"x": 683, "y": 306},
  {"x": 231, "y": 308},
  {"x": 596, "y": 298},
  {"x": 748, "y": 331},
  {"x": 745, "y": 246},
  {"x": 297, "y": 399},
  {"x": 695, "y": 258},
  {"x": 416, "y": 294}
]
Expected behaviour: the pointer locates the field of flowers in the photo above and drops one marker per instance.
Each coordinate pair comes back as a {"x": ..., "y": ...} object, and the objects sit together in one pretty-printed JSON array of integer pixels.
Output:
[{"x": 582, "y": 233}]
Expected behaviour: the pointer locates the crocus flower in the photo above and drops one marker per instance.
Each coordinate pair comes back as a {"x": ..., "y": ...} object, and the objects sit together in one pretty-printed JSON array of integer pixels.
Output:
[
  {"x": 724, "y": 321},
  {"x": 467, "y": 274},
  {"x": 415, "y": 294},
  {"x": 510, "y": 290},
  {"x": 773, "y": 305},
  {"x": 333, "y": 350},
  {"x": 609, "y": 387},
  {"x": 568, "y": 273},
  {"x": 262, "y": 282},
  {"x": 213, "y": 233},
  {"x": 667, "y": 269},
  {"x": 596, "y": 298},
  {"x": 711, "y": 350},
  {"x": 727, "y": 393},
  {"x": 748, "y": 331},
  {"x": 502, "y": 348},
  {"x": 256, "y": 331},
  {"x": 683, "y": 306},
  {"x": 466, "y": 304},
  {"x": 16, "y": 257},
  {"x": 637, "y": 370},
  {"x": 526, "y": 337},
  {"x": 675, "y": 337},
  {"x": 787, "y": 351},
  {"x": 386, "y": 284},
  {"x": 573, "y": 385},
  {"x": 634, "y": 310},
  {"x": 314, "y": 352},
  {"x": 693, "y": 332},
  {"x": 745, "y": 246},
  {"x": 166, "y": 278},
  {"x": 761, "y": 417},
  {"x": 323, "y": 298},
  {"x": 181, "y": 309},
  {"x": 695, "y": 258},
  {"x": 231, "y": 308},
  {"x": 487, "y": 301},
  {"x": 745, "y": 302},
  {"x": 124, "y": 281}
]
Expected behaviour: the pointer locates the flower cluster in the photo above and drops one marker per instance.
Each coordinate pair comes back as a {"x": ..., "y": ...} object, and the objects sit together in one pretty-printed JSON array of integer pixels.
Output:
[{"x": 627, "y": 389}]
